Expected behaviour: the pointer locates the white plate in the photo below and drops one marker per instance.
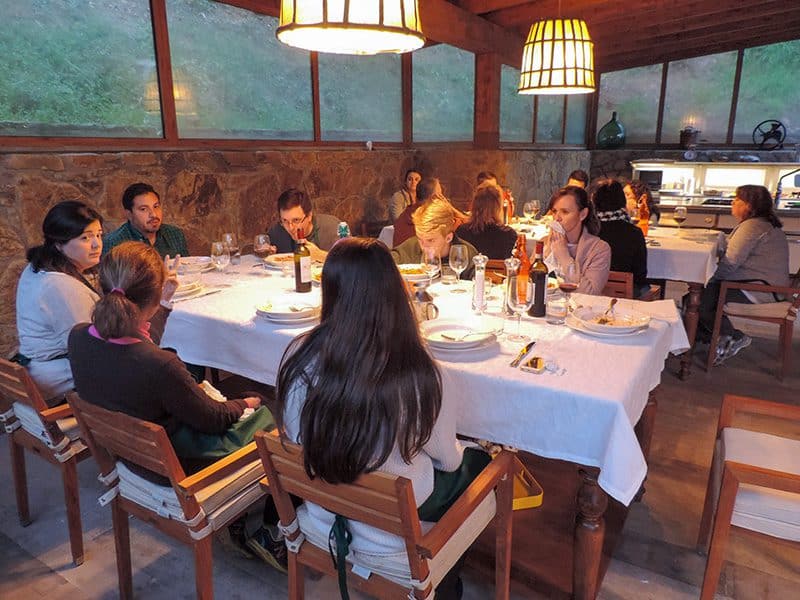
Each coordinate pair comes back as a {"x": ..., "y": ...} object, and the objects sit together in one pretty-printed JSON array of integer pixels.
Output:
[
  {"x": 412, "y": 276},
  {"x": 195, "y": 264},
  {"x": 432, "y": 332},
  {"x": 578, "y": 325},
  {"x": 187, "y": 284},
  {"x": 283, "y": 321},
  {"x": 180, "y": 295},
  {"x": 278, "y": 261},
  {"x": 624, "y": 322},
  {"x": 282, "y": 311}
]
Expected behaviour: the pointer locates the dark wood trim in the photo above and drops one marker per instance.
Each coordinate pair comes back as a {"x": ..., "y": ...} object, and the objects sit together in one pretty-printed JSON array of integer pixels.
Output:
[
  {"x": 535, "y": 116},
  {"x": 661, "y": 96},
  {"x": 735, "y": 96},
  {"x": 486, "y": 112},
  {"x": 564, "y": 119},
  {"x": 169, "y": 119},
  {"x": 270, "y": 8},
  {"x": 591, "y": 128},
  {"x": 407, "y": 85},
  {"x": 314, "y": 62}
]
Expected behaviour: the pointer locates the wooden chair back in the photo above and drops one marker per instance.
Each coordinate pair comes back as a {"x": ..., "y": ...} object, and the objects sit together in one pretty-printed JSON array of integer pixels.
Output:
[
  {"x": 496, "y": 270},
  {"x": 619, "y": 285},
  {"x": 16, "y": 385}
]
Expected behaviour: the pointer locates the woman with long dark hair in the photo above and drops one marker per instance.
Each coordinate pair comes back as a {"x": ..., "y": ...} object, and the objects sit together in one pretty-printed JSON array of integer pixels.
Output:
[
  {"x": 56, "y": 290},
  {"x": 117, "y": 366},
  {"x": 573, "y": 242},
  {"x": 405, "y": 196},
  {"x": 361, "y": 393},
  {"x": 485, "y": 229},
  {"x": 757, "y": 251}
]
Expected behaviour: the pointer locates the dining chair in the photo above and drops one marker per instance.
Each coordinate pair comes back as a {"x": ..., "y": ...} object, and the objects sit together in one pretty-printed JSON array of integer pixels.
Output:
[
  {"x": 496, "y": 270},
  {"x": 425, "y": 553},
  {"x": 187, "y": 508},
  {"x": 620, "y": 285},
  {"x": 783, "y": 314},
  {"x": 50, "y": 433},
  {"x": 754, "y": 483}
]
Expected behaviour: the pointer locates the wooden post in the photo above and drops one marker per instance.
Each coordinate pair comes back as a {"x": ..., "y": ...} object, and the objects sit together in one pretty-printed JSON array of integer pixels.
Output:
[
  {"x": 590, "y": 530},
  {"x": 487, "y": 101},
  {"x": 20, "y": 477},
  {"x": 122, "y": 544}
]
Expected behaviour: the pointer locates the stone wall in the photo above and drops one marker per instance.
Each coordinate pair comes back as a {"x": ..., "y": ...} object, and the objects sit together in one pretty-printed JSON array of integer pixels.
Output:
[{"x": 209, "y": 192}]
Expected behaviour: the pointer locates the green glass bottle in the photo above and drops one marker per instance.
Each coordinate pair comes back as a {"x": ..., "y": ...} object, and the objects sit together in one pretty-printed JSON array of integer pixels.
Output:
[{"x": 612, "y": 134}]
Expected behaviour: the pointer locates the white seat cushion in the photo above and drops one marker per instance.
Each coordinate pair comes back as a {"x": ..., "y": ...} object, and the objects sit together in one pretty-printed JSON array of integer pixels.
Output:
[
  {"x": 394, "y": 565},
  {"x": 220, "y": 501},
  {"x": 773, "y": 512},
  {"x": 69, "y": 427},
  {"x": 772, "y": 310}
]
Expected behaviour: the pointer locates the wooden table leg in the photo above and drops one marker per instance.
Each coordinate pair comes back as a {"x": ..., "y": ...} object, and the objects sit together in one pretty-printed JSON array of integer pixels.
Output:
[
  {"x": 589, "y": 536},
  {"x": 690, "y": 321},
  {"x": 644, "y": 433}
]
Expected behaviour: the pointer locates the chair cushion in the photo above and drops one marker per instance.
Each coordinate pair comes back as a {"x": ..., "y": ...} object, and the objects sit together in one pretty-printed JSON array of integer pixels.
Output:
[
  {"x": 69, "y": 427},
  {"x": 773, "y": 512},
  {"x": 220, "y": 501},
  {"x": 772, "y": 310},
  {"x": 394, "y": 565}
]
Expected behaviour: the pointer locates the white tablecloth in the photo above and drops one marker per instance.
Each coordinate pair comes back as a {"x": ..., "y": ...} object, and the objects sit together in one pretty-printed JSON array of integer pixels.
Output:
[{"x": 586, "y": 415}]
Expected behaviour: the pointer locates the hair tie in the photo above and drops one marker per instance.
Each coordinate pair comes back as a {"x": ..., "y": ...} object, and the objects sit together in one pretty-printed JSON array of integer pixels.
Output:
[{"x": 117, "y": 290}]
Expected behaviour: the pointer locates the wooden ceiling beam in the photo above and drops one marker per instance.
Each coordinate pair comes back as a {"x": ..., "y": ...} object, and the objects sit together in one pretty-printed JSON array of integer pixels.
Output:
[
  {"x": 262, "y": 7},
  {"x": 758, "y": 35},
  {"x": 480, "y": 7}
]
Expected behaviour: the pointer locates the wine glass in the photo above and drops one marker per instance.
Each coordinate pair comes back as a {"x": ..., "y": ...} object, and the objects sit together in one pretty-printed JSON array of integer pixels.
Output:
[
  {"x": 679, "y": 214},
  {"x": 519, "y": 300},
  {"x": 568, "y": 279},
  {"x": 458, "y": 262},
  {"x": 635, "y": 215},
  {"x": 431, "y": 263},
  {"x": 220, "y": 255},
  {"x": 262, "y": 245},
  {"x": 530, "y": 209},
  {"x": 232, "y": 243}
]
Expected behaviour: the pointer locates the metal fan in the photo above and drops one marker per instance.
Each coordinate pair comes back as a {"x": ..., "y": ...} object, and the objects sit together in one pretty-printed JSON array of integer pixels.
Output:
[{"x": 769, "y": 135}]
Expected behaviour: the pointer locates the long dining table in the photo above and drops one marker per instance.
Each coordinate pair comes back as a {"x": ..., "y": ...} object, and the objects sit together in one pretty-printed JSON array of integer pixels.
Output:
[{"x": 584, "y": 410}]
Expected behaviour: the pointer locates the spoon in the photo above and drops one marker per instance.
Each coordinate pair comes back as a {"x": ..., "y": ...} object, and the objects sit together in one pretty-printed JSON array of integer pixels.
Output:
[
  {"x": 459, "y": 338},
  {"x": 610, "y": 309}
]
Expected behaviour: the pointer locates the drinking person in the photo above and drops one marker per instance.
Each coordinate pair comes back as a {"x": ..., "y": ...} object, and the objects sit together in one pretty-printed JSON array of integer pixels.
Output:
[
  {"x": 298, "y": 221},
  {"x": 434, "y": 228},
  {"x": 639, "y": 199},
  {"x": 577, "y": 249},
  {"x": 485, "y": 229},
  {"x": 628, "y": 248},
  {"x": 145, "y": 214},
  {"x": 117, "y": 366},
  {"x": 405, "y": 196},
  {"x": 368, "y": 403},
  {"x": 756, "y": 251}
]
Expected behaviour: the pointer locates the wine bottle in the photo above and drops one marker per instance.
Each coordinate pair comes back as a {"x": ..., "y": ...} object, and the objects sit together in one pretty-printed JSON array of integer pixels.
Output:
[
  {"x": 521, "y": 251},
  {"x": 302, "y": 267},
  {"x": 539, "y": 275}
]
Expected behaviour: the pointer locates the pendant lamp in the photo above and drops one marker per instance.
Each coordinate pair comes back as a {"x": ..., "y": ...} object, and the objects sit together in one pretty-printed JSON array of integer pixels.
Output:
[
  {"x": 351, "y": 26},
  {"x": 558, "y": 58}
]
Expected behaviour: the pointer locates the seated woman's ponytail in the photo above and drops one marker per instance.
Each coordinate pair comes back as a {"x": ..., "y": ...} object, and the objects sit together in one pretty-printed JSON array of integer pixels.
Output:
[{"x": 132, "y": 276}]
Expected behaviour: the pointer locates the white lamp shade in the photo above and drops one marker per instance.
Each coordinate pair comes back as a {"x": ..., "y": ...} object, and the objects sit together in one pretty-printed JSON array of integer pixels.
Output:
[
  {"x": 351, "y": 26},
  {"x": 558, "y": 58}
]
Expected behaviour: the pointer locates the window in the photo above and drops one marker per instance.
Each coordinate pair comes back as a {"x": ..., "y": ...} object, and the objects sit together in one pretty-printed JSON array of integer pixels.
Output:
[
  {"x": 633, "y": 94},
  {"x": 769, "y": 89},
  {"x": 576, "y": 119},
  {"x": 239, "y": 80},
  {"x": 549, "y": 119},
  {"x": 516, "y": 111},
  {"x": 444, "y": 94},
  {"x": 361, "y": 97},
  {"x": 72, "y": 69},
  {"x": 699, "y": 92}
]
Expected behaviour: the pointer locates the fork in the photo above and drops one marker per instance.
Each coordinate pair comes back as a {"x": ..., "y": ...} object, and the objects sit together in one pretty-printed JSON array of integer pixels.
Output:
[{"x": 459, "y": 338}]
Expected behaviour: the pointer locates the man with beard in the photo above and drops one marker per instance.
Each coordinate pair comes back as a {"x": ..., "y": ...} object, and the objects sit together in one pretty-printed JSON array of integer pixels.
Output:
[{"x": 142, "y": 206}]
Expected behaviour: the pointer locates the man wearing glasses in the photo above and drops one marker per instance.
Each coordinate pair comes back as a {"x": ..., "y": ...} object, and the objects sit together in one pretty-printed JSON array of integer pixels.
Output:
[{"x": 297, "y": 220}]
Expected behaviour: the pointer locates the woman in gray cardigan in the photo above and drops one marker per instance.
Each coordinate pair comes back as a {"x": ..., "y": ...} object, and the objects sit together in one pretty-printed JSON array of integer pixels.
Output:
[{"x": 756, "y": 251}]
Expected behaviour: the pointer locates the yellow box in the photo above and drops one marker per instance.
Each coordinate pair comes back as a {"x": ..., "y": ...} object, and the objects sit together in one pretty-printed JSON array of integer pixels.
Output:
[{"x": 527, "y": 491}]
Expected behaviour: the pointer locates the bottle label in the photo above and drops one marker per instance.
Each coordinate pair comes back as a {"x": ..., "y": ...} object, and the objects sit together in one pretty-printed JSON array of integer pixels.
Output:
[{"x": 305, "y": 269}]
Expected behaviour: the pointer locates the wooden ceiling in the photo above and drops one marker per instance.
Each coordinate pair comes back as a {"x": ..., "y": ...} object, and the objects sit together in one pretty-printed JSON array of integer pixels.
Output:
[{"x": 629, "y": 33}]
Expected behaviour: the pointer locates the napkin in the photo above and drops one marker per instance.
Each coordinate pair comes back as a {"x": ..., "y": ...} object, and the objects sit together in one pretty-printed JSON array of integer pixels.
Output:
[{"x": 663, "y": 310}]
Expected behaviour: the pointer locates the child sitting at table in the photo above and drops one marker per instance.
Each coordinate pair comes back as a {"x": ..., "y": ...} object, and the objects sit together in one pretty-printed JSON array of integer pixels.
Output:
[
  {"x": 116, "y": 366},
  {"x": 361, "y": 394}
]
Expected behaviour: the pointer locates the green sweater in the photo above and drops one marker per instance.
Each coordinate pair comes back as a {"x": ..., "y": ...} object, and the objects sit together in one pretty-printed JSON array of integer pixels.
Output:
[{"x": 410, "y": 252}]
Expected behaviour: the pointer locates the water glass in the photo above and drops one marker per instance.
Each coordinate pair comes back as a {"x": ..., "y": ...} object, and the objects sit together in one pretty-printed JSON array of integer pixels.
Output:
[
  {"x": 262, "y": 245},
  {"x": 431, "y": 263},
  {"x": 458, "y": 262},
  {"x": 220, "y": 255},
  {"x": 556, "y": 310},
  {"x": 520, "y": 299},
  {"x": 232, "y": 243},
  {"x": 530, "y": 209}
]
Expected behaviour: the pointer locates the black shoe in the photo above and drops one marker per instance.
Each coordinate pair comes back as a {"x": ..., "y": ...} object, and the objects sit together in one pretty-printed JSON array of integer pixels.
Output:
[
  {"x": 234, "y": 539},
  {"x": 267, "y": 544}
]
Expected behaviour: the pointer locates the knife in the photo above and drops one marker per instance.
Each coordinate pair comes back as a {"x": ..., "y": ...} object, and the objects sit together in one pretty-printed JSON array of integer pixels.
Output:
[
  {"x": 196, "y": 297},
  {"x": 522, "y": 353}
]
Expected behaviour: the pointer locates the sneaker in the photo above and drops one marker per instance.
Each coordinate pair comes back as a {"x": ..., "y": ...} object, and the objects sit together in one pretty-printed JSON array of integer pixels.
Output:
[
  {"x": 740, "y": 341},
  {"x": 268, "y": 545}
]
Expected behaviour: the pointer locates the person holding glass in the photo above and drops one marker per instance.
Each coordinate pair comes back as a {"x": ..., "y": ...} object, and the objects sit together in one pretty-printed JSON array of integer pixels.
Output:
[
  {"x": 637, "y": 194},
  {"x": 756, "y": 251},
  {"x": 572, "y": 247},
  {"x": 434, "y": 226},
  {"x": 298, "y": 220},
  {"x": 359, "y": 404},
  {"x": 485, "y": 229}
]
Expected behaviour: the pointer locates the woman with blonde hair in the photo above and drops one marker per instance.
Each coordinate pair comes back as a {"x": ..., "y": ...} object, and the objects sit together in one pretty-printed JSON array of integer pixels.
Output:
[{"x": 117, "y": 366}]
